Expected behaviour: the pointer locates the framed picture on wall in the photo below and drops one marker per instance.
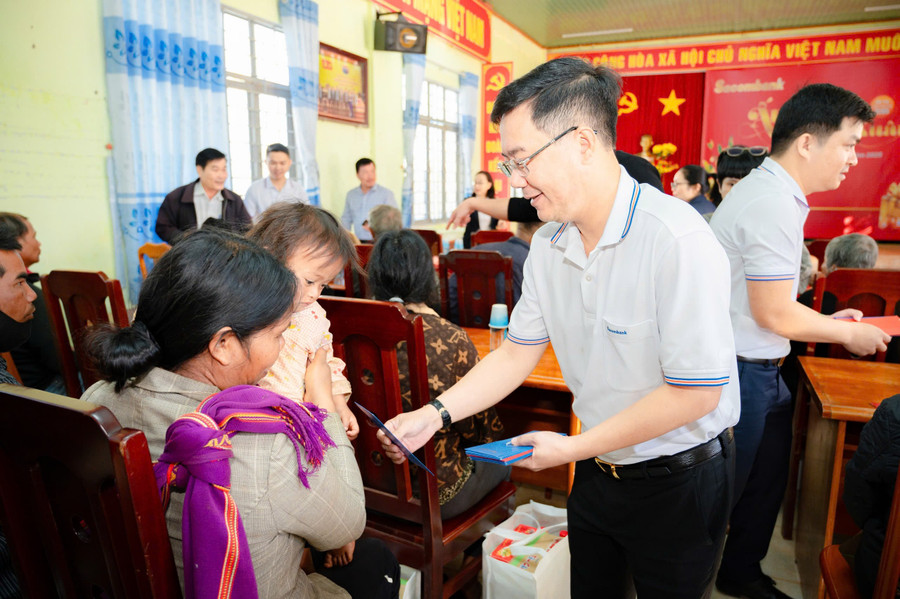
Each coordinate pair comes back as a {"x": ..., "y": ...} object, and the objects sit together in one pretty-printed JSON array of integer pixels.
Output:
[{"x": 343, "y": 86}]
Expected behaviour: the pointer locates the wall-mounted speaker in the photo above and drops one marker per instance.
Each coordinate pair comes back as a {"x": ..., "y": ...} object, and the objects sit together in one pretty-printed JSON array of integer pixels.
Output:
[{"x": 400, "y": 36}]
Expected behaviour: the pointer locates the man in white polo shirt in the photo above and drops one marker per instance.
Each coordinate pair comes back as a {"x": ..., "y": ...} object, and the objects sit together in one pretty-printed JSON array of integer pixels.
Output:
[
  {"x": 632, "y": 290},
  {"x": 760, "y": 225},
  {"x": 277, "y": 187}
]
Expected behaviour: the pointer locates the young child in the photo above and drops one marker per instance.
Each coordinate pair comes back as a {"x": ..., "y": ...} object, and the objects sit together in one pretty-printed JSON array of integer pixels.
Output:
[
  {"x": 314, "y": 246},
  {"x": 310, "y": 242}
]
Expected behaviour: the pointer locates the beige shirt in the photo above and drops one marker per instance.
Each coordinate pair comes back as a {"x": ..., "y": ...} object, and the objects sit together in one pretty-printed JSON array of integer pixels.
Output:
[{"x": 280, "y": 515}]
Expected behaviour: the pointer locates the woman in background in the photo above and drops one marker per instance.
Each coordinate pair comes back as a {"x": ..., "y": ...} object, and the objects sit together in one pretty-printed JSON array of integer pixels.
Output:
[
  {"x": 689, "y": 184},
  {"x": 401, "y": 270},
  {"x": 732, "y": 165},
  {"x": 482, "y": 189}
]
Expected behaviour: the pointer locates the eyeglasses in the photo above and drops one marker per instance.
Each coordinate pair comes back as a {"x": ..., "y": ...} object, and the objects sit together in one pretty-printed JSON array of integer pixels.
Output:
[
  {"x": 735, "y": 151},
  {"x": 677, "y": 183},
  {"x": 507, "y": 167}
]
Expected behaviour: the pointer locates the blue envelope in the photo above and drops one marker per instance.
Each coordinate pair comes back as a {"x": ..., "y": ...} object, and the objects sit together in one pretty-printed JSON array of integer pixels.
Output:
[{"x": 409, "y": 455}]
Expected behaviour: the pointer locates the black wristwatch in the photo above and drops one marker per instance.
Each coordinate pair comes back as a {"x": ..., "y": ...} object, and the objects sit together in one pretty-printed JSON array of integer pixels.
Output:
[{"x": 445, "y": 415}]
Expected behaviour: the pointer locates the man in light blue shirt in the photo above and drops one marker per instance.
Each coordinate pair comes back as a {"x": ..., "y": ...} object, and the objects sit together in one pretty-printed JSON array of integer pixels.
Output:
[
  {"x": 360, "y": 200},
  {"x": 276, "y": 187}
]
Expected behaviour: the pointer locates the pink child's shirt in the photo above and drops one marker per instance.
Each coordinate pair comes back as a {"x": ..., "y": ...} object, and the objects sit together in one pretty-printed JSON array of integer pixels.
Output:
[{"x": 307, "y": 333}]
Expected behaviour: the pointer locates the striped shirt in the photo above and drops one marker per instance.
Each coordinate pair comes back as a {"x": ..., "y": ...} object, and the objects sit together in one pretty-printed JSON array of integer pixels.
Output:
[{"x": 647, "y": 307}]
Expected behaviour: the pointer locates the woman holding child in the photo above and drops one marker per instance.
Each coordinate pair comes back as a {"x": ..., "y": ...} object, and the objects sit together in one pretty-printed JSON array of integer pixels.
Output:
[{"x": 208, "y": 327}]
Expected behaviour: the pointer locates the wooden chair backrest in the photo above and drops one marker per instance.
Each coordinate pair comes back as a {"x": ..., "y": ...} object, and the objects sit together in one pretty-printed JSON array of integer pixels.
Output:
[
  {"x": 874, "y": 292},
  {"x": 366, "y": 334},
  {"x": 11, "y": 366},
  {"x": 153, "y": 251},
  {"x": 357, "y": 284},
  {"x": 840, "y": 581},
  {"x": 80, "y": 505},
  {"x": 476, "y": 284},
  {"x": 489, "y": 236},
  {"x": 75, "y": 301},
  {"x": 433, "y": 239}
]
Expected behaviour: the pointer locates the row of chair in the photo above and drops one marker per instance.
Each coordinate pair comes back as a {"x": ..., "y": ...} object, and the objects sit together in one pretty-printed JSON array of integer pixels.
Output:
[{"x": 83, "y": 516}]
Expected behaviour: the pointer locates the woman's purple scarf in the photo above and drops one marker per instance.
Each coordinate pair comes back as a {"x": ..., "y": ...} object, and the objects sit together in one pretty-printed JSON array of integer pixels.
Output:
[{"x": 196, "y": 459}]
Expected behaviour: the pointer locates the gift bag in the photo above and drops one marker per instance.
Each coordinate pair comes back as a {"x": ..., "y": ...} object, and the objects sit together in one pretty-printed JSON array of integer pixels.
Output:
[{"x": 527, "y": 556}]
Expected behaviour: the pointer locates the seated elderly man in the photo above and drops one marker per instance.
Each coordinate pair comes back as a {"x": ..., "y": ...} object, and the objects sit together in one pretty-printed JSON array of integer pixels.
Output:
[
  {"x": 383, "y": 218},
  {"x": 36, "y": 359}
]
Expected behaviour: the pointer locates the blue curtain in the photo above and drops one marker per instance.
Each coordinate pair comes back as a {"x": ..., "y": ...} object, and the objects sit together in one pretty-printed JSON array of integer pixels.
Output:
[
  {"x": 300, "y": 20},
  {"x": 166, "y": 93},
  {"x": 413, "y": 78},
  {"x": 468, "y": 111}
]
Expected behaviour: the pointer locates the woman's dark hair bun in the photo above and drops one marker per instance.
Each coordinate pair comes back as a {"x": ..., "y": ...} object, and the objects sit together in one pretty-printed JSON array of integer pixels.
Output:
[{"x": 119, "y": 354}]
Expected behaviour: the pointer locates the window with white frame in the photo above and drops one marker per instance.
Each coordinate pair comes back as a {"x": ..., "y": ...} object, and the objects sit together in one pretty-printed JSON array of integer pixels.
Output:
[
  {"x": 258, "y": 96},
  {"x": 436, "y": 169}
]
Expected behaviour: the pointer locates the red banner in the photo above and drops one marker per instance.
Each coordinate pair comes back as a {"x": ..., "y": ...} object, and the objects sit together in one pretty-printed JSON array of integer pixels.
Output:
[
  {"x": 494, "y": 77},
  {"x": 812, "y": 49},
  {"x": 741, "y": 107},
  {"x": 464, "y": 23}
]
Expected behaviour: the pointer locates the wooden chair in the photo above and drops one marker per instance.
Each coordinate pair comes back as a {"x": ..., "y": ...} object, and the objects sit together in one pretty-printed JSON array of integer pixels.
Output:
[
  {"x": 476, "y": 284},
  {"x": 366, "y": 334},
  {"x": 357, "y": 284},
  {"x": 489, "y": 236},
  {"x": 78, "y": 501},
  {"x": 875, "y": 293},
  {"x": 433, "y": 239},
  {"x": 816, "y": 248},
  {"x": 153, "y": 251},
  {"x": 76, "y": 300},
  {"x": 840, "y": 582}
]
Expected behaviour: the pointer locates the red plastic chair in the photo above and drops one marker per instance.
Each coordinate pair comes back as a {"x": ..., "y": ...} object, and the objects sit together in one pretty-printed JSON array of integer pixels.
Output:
[
  {"x": 366, "y": 335},
  {"x": 476, "y": 284},
  {"x": 75, "y": 301},
  {"x": 79, "y": 502},
  {"x": 488, "y": 236}
]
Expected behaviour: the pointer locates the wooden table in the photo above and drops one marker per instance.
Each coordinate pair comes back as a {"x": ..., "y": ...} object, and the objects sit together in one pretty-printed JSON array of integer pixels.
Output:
[
  {"x": 542, "y": 402},
  {"x": 841, "y": 395}
]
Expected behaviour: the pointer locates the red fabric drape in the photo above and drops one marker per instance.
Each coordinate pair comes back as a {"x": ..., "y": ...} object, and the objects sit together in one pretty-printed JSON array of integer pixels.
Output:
[{"x": 641, "y": 112}]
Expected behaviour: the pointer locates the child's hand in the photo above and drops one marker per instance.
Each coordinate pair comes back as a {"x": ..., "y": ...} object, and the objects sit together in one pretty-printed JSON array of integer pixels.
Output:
[
  {"x": 318, "y": 381},
  {"x": 348, "y": 419},
  {"x": 340, "y": 556}
]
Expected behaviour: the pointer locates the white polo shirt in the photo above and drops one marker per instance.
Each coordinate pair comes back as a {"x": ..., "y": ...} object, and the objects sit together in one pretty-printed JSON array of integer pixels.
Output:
[
  {"x": 760, "y": 225},
  {"x": 648, "y": 306}
]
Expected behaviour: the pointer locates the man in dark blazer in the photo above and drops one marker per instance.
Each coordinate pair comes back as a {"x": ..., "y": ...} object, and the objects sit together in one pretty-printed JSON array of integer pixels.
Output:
[{"x": 189, "y": 206}]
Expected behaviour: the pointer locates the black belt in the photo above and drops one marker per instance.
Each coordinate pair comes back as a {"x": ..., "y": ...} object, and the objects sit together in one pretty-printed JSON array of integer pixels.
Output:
[
  {"x": 669, "y": 464},
  {"x": 764, "y": 361}
]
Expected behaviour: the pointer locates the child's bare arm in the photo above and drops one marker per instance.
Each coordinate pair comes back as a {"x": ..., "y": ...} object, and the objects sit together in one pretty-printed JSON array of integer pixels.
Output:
[
  {"x": 318, "y": 381},
  {"x": 348, "y": 419}
]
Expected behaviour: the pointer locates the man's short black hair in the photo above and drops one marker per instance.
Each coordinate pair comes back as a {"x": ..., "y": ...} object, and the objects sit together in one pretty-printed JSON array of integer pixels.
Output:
[
  {"x": 363, "y": 162},
  {"x": 818, "y": 109},
  {"x": 205, "y": 156},
  {"x": 278, "y": 148},
  {"x": 565, "y": 92}
]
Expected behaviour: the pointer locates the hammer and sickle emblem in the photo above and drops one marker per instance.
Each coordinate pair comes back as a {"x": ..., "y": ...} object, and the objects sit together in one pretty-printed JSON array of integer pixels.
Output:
[
  {"x": 497, "y": 82},
  {"x": 627, "y": 103}
]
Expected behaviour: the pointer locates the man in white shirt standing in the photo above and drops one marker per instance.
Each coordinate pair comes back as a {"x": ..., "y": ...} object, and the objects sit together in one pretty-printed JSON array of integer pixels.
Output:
[
  {"x": 360, "y": 200},
  {"x": 277, "y": 187},
  {"x": 760, "y": 225},
  {"x": 631, "y": 288}
]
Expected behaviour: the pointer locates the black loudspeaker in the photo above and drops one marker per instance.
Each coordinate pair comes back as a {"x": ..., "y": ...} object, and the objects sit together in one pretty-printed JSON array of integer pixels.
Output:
[{"x": 400, "y": 36}]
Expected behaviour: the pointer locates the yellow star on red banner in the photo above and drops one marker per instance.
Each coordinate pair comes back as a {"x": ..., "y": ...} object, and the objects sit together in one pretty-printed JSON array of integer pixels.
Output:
[{"x": 672, "y": 103}]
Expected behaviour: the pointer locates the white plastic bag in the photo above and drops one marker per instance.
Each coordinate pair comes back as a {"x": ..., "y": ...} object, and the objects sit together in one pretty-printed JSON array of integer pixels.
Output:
[
  {"x": 413, "y": 587},
  {"x": 550, "y": 580}
]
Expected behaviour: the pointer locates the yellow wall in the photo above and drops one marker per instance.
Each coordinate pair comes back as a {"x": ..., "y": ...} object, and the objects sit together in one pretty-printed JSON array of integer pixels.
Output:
[
  {"x": 55, "y": 123},
  {"x": 54, "y": 127}
]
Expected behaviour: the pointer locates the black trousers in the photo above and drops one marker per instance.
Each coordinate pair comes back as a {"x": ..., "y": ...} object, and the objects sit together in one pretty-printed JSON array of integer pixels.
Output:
[
  {"x": 373, "y": 573},
  {"x": 664, "y": 532}
]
